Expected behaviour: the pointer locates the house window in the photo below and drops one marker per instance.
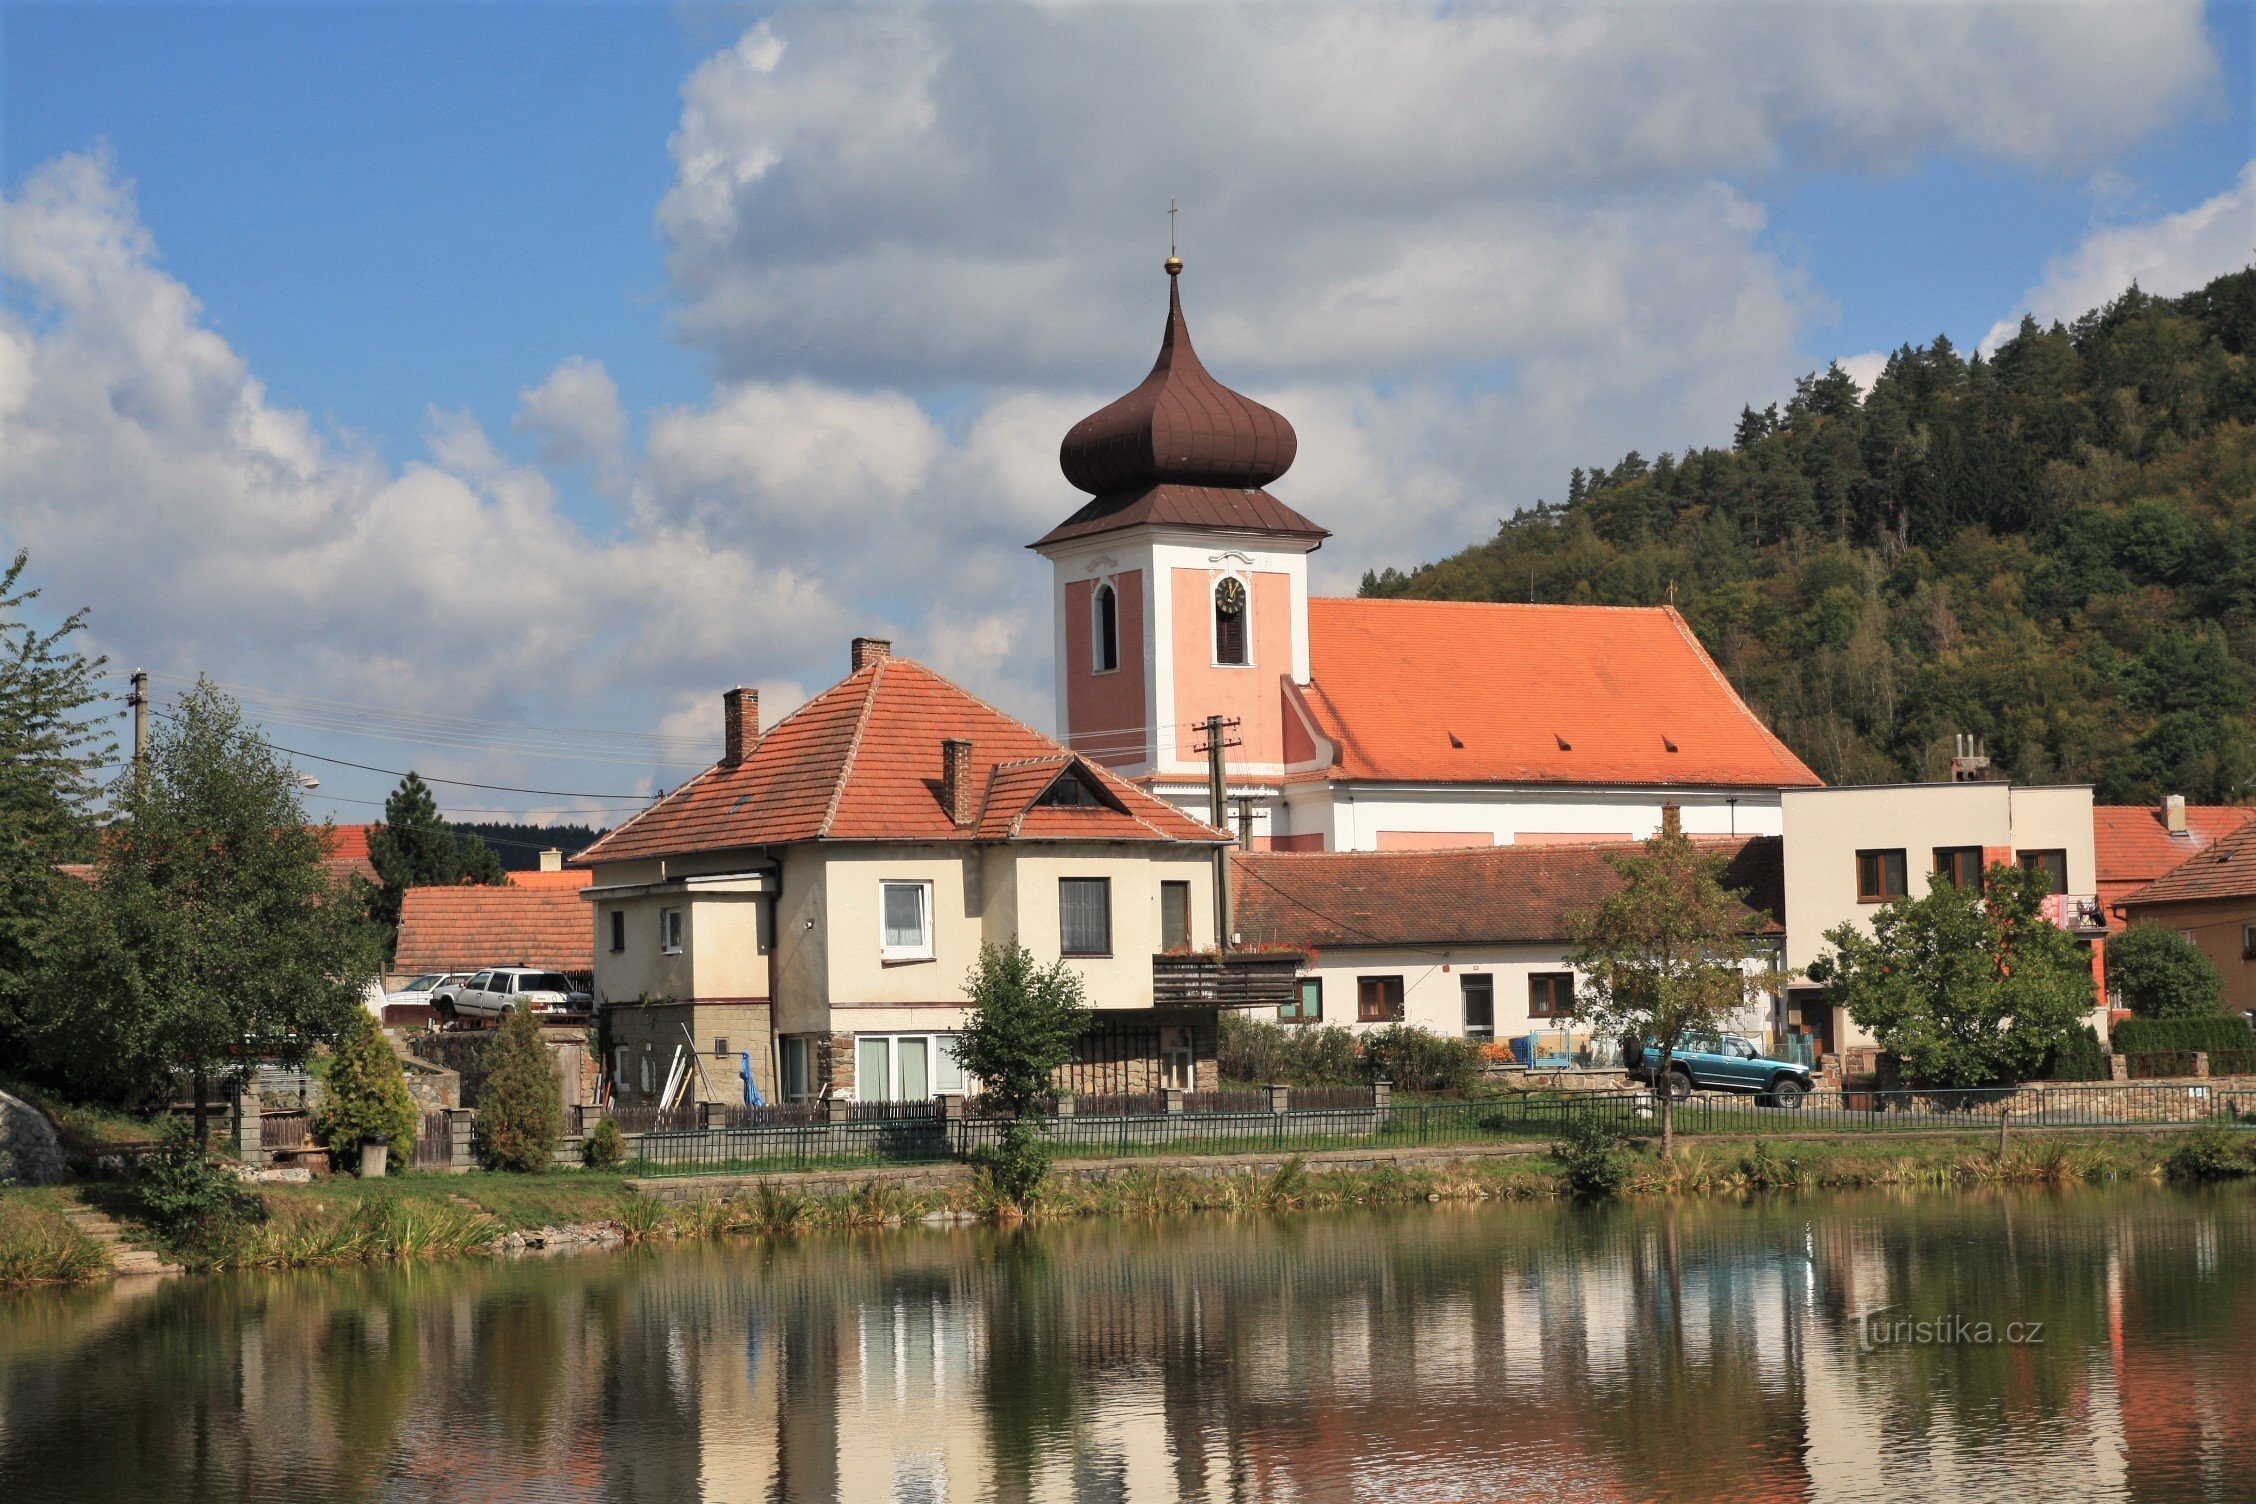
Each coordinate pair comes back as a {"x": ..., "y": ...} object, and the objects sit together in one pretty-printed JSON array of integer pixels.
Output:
[
  {"x": 1230, "y": 620},
  {"x": 1307, "y": 1006},
  {"x": 1174, "y": 916},
  {"x": 798, "y": 1068},
  {"x": 1071, "y": 791},
  {"x": 1480, "y": 1005},
  {"x": 2053, "y": 864},
  {"x": 1961, "y": 864},
  {"x": 720, "y": 1047},
  {"x": 1085, "y": 916},
  {"x": 2248, "y": 942},
  {"x": 1881, "y": 876},
  {"x": 1551, "y": 994},
  {"x": 1378, "y": 1000},
  {"x": 619, "y": 1068},
  {"x": 649, "y": 1079},
  {"x": 907, "y": 911},
  {"x": 905, "y": 1067},
  {"x": 618, "y": 930},
  {"x": 1107, "y": 605},
  {"x": 670, "y": 931}
]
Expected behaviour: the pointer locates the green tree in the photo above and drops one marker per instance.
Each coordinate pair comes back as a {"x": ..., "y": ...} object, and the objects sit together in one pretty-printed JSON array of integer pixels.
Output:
[
  {"x": 212, "y": 934},
  {"x": 366, "y": 1090},
  {"x": 51, "y": 747},
  {"x": 520, "y": 1116},
  {"x": 412, "y": 847},
  {"x": 1663, "y": 957},
  {"x": 2161, "y": 975},
  {"x": 1026, "y": 1022},
  {"x": 1966, "y": 988}
]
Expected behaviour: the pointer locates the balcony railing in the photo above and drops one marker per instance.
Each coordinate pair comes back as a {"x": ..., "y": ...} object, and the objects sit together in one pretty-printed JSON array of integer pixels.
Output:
[
  {"x": 1240, "y": 979},
  {"x": 2077, "y": 912}
]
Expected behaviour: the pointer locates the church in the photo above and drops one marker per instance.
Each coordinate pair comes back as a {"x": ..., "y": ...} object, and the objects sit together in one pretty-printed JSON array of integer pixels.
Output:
[{"x": 1180, "y": 593}]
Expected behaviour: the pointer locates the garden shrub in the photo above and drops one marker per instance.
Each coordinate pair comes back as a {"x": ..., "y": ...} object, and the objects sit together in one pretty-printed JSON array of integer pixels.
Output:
[
  {"x": 2161, "y": 974},
  {"x": 367, "y": 1091},
  {"x": 1266, "y": 1054},
  {"x": 520, "y": 1117},
  {"x": 2078, "y": 1057},
  {"x": 1417, "y": 1059},
  {"x": 188, "y": 1195},
  {"x": 1596, "y": 1162},
  {"x": 2146, "y": 1036},
  {"x": 2212, "y": 1153},
  {"x": 604, "y": 1148}
]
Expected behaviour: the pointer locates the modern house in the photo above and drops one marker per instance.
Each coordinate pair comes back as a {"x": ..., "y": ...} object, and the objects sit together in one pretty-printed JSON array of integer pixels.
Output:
[
  {"x": 1180, "y": 593},
  {"x": 809, "y": 907},
  {"x": 2210, "y": 899},
  {"x": 1850, "y": 850},
  {"x": 1473, "y": 942}
]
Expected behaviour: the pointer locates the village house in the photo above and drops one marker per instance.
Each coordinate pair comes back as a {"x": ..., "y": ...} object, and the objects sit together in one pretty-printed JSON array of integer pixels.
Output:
[
  {"x": 1180, "y": 592},
  {"x": 1472, "y": 943},
  {"x": 2210, "y": 899},
  {"x": 808, "y": 909},
  {"x": 2136, "y": 843},
  {"x": 1848, "y": 851}
]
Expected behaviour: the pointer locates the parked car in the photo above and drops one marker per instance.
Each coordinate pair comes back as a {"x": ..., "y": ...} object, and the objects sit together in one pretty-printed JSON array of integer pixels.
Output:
[
  {"x": 420, "y": 991},
  {"x": 491, "y": 993},
  {"x": 1730, "y": 1062}
]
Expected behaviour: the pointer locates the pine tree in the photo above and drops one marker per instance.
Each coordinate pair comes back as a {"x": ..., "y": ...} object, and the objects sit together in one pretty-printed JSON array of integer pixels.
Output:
[
  {"x": 366, "y": 1090},
  {"x": 520, "y": 1117},
  {"x": 414, "y": 848}
]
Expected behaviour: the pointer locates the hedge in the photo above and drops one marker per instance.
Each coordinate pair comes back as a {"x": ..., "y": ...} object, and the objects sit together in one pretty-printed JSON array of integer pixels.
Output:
[{"x": 2224, "y": 1031}]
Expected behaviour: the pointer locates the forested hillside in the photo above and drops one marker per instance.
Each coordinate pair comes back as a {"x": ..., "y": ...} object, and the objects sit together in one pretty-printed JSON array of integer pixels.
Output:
[
  {"x": 2053, "y": 549},
  {"x": 520, "y": 846}
]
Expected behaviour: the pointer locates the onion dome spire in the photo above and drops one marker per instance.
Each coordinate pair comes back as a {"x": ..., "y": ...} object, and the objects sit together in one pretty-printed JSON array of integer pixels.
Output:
[{"x": 1179, "y": 427}]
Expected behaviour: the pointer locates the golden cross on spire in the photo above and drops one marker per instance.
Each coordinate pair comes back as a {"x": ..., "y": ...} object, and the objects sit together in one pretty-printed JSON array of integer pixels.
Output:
[{"x": 1173, "y": 263}]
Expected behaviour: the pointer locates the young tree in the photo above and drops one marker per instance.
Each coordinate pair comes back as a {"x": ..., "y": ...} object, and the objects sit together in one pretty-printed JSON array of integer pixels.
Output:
[
  {"x": 2162, "y": 975},
  {"x": 1663, "y": 957},
  {"x": 413, "y": 848},
  {"x": 1966, "y": 988},
  {"x": 520, "y": 1116},
  {"x": 212, "y": 934},
  {"x": 51, "y": 746},
  {"x": 367, "y": 1090},
  {"x": 1027, "y": 1022}
]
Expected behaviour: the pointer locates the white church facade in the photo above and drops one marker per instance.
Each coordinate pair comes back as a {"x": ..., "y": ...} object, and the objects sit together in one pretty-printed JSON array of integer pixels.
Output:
[{"x": 1180, "y": 592}]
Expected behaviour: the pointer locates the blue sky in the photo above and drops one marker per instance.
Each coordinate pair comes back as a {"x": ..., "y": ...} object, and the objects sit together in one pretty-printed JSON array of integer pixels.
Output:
[{"x": 808, "y": 261}]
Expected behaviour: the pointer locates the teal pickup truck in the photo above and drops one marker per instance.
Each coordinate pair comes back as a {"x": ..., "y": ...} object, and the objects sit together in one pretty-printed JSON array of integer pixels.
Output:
[{"x": 1719, "y": 1063}]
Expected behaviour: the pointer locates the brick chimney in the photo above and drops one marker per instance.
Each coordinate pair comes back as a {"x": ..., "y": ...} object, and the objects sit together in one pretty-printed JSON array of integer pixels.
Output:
[
  {"x": 552, "y": 860},
  {"x": 1672, "y": 820},
  {"x": 869, "y": 650},
  {"x": 740, "y": 724},
  {"x": 955, "y": 780},
  {"x": 2173, "y": 814}
]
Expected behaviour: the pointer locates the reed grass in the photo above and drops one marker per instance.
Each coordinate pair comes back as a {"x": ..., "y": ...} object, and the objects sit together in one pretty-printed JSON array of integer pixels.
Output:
[{"x": 37, "y": 1247}]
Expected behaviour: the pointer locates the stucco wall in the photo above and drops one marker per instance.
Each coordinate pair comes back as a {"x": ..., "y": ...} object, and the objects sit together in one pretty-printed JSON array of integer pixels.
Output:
[
  {"x": 654, "y": 1032},
  {"x": 2214, "y": 925}
]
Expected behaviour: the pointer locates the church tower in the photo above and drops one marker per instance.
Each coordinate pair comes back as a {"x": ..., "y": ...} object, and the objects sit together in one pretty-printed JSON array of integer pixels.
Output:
[{"x": 1180, "y": 588}]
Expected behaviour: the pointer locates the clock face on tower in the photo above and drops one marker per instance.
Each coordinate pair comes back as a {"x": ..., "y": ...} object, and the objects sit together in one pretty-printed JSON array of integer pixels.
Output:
[{"x": 1229, "y": 597}]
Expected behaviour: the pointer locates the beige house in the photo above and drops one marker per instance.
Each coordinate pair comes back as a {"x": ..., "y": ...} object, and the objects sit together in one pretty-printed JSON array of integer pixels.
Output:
[
  {"x": 1848, "y": 851},
  {"x": 2210, "y": 899},
  {"x": 806, "y": 911}
]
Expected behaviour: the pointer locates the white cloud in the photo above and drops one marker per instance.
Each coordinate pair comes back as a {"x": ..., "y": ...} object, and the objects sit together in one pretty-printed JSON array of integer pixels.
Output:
[
  {"x": 2166, "y": 257},
  {"x": 1865, "y": 369},
  {"x": 577, "y": 417}
]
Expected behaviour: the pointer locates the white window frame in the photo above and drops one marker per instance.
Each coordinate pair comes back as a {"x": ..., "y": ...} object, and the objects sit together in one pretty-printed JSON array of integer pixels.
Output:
[
  {"x": 1213, "y": 618},
  {"x": 1096, "y": 629},
  {"x": 919, "y": 952},
  {"x": 935, "y": 1043},
  {"x": 672, "y": 926}
]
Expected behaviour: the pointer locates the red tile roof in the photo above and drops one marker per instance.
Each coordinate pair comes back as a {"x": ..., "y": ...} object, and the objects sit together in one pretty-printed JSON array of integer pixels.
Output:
[
  {"x": 2227, "y": 869},
  {"x": 1478, "y": 692},
  {"x": 1498, "y": 895},
  {"x": 2132, "y": 846},
  {"x": 348, "y": 853},
  {"x": 862, "y": 762},
  {"x": 464, "y": 929}
]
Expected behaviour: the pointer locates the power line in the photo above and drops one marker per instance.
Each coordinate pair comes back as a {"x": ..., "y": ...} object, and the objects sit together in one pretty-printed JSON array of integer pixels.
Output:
[{"x": 459, "y": 783}]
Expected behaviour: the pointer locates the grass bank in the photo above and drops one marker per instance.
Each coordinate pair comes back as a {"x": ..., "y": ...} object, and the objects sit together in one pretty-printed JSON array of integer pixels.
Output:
[{"x": 38, "y": 1247}]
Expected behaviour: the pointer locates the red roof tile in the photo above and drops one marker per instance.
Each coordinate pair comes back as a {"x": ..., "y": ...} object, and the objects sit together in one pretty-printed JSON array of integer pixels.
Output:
[
  {"x": 2226, "y": 869},
  {"x": 1497, "y": 895},
  {"x": 464, "y": 929},
  {"x": 862, "y": 762},
  {"x": 1478, "y": 692},
  {"x": 348, "y": 853},
  {"x": 2132, "y": 847}
]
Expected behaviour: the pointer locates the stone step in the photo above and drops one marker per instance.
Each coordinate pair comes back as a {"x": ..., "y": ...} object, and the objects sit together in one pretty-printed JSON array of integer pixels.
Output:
[{"x": 125, "y": 1256}]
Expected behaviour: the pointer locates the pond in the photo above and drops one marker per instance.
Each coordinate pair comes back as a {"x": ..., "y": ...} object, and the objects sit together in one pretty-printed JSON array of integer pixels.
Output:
[{"x": 2079, "y": 1345}]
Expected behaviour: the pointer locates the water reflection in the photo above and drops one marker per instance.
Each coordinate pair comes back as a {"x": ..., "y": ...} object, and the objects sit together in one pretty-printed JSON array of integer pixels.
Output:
[{"x": 1652, "y": 1352}]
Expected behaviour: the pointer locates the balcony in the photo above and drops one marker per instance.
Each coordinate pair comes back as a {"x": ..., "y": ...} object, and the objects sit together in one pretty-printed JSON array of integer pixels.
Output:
[
  {"x": 2077, "y": 913},
  {"x": 1241, "y": 979}
]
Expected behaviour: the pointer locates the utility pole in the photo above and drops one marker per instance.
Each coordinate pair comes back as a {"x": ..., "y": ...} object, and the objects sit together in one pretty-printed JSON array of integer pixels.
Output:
[
  {"x": 1218, "y": 816},
  {"x": 139, "y": 700}
]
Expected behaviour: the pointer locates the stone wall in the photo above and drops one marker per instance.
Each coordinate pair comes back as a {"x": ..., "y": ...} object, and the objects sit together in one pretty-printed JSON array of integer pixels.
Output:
[
  {"x": 463, "y": 1051},
  {"x": 30, "y": 1154}
]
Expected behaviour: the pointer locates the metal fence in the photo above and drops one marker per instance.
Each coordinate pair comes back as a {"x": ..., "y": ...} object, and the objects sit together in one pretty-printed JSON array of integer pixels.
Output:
[{"x": 933, "y": 1138}]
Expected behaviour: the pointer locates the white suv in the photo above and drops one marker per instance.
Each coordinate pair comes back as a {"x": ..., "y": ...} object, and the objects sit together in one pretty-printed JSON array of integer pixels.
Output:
[{"x": 490, "y": 994}]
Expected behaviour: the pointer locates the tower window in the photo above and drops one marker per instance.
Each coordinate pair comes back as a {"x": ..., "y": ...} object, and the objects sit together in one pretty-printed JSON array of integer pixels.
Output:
[
  {"x": 1230, "y": 620},
  {"x": 1108, "y": 629}
]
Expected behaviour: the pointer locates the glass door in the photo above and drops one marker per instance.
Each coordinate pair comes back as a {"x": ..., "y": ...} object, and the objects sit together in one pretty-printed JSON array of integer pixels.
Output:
[{"x": 913, "y": 1059}]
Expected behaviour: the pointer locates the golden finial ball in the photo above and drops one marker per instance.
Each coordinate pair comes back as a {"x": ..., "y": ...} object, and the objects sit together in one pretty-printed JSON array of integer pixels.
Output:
[{"x": 1174, "y": 265}]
